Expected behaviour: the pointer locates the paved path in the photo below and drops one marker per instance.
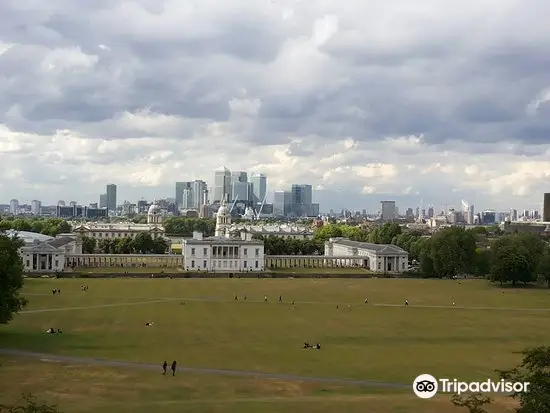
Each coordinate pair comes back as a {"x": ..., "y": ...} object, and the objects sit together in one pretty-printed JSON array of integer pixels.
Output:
[
  {"x": 150, "y": 300},
  {"x": 240, "y": 373}
]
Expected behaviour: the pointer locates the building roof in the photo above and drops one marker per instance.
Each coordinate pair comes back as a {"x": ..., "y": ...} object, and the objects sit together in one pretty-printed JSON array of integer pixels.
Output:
[
  {"x": 119, "y": 227},
  {"x": 221, "y": 240},
  {"x": 29, "y": 237},
  {"x": 60, "y": 242},
  {"x": 380, "y": 249}
]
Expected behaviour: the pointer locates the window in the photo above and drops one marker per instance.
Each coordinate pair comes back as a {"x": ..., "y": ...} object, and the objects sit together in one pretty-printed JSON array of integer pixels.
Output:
[
  {"x": 204, "y": 264},
  {"x": 403, "y": 265},
  {"x": 56, "y": 263},
  {"x": 256, "y": 264},
  {"x": 257, "y": 252},
  {"x": 192, "y": 251},
  {"x": 245, "y": 251},
  {"x": 205, "y": 251},
  {"x": 379, "y": 265},
  {"x": 193, "y": 264},
  {"x": 244, "y": 264},
  {"x": 29, "y": 263}
]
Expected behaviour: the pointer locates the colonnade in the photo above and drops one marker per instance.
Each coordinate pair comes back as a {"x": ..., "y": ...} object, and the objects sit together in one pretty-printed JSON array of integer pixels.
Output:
[
  {"x": 124, "y": 260},
  {"x": 313, "y": 261}
]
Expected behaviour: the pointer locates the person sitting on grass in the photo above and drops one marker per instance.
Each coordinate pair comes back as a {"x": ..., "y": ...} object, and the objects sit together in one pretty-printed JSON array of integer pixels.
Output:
[{"x": 306, "y": 344}]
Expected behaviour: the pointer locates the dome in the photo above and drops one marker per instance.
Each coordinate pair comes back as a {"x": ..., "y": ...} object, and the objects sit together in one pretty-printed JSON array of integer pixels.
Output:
[
  {"x": 223, "y": 210},
  {"x": 154, "y": 209}
]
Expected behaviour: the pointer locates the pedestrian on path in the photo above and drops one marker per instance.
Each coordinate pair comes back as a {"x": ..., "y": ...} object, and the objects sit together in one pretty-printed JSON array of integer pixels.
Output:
[
  {"x": 174, "y": 364},
  {"x": 164, "y": 367}
]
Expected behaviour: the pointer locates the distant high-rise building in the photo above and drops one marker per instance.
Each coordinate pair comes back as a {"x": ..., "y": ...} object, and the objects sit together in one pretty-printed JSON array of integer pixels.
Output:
[
  {"x": 198, "y": 193},
  {"x": 14, "y": 207},
  {"x": 431, "y": 212},
  {"x": 389, "y": 210},
  {"x": 282, "y": 203},
  {"x": 111, "y": 197},
  {"x": 187, "y": 199},
  {"x": 514, "y": 214},
  {"x": 180, "y": 187},
  {"x": 470, "y": 219},
  {"x": 239, "y": 186},
  {"x": 72, "y": 203},
  {"x": 546, "y": 208},
  {"x": 259, "y": 186},
  {"x": 61, "y": 203},
  {"x": 222, "y": 185},
  {"x": 103, "y": 201},
  {"x": 36, "y": 207},
  {"x": 302, "y": 203}
]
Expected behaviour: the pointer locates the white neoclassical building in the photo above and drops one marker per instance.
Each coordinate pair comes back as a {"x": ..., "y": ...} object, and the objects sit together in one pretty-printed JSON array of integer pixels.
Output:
[
  {"x": 379, "y": 258},
  {"x": 99, "y": 231},
  {"x": 44, "y": 254},
  {"x": 226, "y": 251}
]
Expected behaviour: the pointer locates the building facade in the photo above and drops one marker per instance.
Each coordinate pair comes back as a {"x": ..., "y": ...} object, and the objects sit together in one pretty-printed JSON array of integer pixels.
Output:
[
  {"x": 376, "y": 257},
  {"x": 227, "y": 251}
]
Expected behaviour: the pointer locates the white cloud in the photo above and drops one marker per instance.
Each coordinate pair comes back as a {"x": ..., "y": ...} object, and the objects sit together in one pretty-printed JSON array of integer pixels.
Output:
[{"x": 366, "y": 98}]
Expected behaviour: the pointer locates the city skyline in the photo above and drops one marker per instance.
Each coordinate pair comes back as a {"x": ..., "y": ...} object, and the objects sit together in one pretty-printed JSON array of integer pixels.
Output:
[{"x": 291, "y": 89}]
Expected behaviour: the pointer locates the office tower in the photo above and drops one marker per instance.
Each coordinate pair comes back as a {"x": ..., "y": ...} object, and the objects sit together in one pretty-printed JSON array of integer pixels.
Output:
[
  {"x": 471, "y": 214},
  {"x": 14, "y": 207},
  {"x": 259, "y": 186},
  {"x": 302, "y": 205},
  {"x": 198, "y": 193},
  {"x": 514, "y": 214},
  {"x": 222, "y": 185},
  {"x": 187, "y": 199},
  {"x": 36, "y": 206},
  {"x": 282, "y": 203},
  {"x": 72, "y": 203},
  {"x": 546, "y": 208},
  {"x": 61, "y": 203},
  {"x": 111, "y": 197},
  {"x": 239, "y": 186},
  {"x": 180, "y": 187},
  {"x": 389, "y": 212},
  {"x": 103, "y": 201}
]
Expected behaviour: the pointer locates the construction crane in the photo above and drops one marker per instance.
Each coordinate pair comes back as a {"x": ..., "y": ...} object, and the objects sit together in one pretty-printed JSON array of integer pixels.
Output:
[
  {"x": 261, "y": 207},
  {"x": 234, "y": 203}
]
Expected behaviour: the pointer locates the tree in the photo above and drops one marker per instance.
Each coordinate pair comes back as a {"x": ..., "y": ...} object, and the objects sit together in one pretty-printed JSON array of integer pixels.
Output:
[
  {"x": 143, "y": 243},
  {"x": 30, "y": 405},
  {"x": 544, "y": 266},
  {"x": 11, "y": 278},
  {"x": 89, "y": 245},
  {"x": 473, "y": 402},
  {"x": 534, "y": 369},
  {"x": 160, "y": 246}
]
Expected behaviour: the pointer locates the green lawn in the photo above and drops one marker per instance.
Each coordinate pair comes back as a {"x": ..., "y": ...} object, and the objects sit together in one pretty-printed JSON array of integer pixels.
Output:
[{"x": 378, "y": 342}]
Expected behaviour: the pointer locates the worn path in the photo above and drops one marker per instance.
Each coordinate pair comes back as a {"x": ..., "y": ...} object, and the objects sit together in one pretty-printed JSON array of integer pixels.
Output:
[{"x": 241, "y": 373}]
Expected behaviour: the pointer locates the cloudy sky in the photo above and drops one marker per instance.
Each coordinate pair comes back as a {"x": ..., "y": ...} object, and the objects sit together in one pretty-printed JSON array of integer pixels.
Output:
[{"x": 366, "y": 100}]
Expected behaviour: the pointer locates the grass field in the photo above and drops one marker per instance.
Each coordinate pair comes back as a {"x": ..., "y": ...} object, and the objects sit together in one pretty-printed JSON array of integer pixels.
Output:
[{"x": 197, "y": 322}]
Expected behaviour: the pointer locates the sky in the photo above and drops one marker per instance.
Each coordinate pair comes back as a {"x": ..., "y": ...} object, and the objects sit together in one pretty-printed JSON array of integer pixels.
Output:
[{"x": 422, "y": 101}]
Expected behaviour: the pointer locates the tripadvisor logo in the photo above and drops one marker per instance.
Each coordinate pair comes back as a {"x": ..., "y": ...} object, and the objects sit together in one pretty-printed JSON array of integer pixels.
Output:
[{"x": 427, "y": 386}]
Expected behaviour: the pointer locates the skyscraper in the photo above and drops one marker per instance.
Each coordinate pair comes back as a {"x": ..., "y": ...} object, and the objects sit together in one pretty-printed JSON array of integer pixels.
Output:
[
  {"x": 14, "y": 207},
  {"x": 389, "y": 211},
  {"x": 111, "y": 197},
  {"x": 36, "y": 207},
  {"x": 302, "y": 205},
  {"x": 546, "y": 208},
  {"x": 198, "y": 193},
  {"x": 259, "y": 186},
  {"x": 239, "y": 186},
  {"x": 103, "y": 201},
  {"x": 180, "y": 187},
  {"x": 222, "y": 185},
  {"x": 282, "y": 203}
]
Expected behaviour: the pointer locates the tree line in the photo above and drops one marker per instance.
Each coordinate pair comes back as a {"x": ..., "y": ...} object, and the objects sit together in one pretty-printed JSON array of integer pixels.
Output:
[
  {"x": 46, "y": 226},
  {"x": 142, "y": 243}
]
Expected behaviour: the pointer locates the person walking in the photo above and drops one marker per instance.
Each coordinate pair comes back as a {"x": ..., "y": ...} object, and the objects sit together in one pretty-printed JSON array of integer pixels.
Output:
[
  {"x": 164, "y": 367},
  {"x": 174, "y": 364}
]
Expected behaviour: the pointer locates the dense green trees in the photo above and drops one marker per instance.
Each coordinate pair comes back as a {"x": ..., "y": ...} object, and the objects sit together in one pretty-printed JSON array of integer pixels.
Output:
[
  {"x": 46, "y": 226},
  {"x": 534, "y": 369},
  {"x": 280, "y": 246},
  {"x": 11, "y": 278},
  {"x": 142, "y": 243},
  {"x": 184, "y": 227}
]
